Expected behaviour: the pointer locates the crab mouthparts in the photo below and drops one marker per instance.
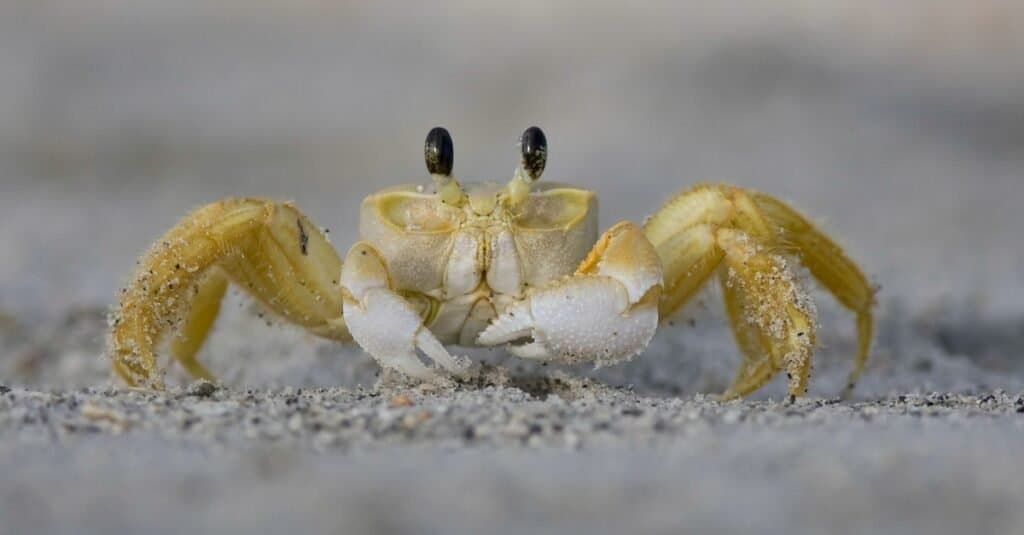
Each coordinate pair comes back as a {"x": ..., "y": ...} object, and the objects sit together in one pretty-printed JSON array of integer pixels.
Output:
[{"x": 483, "y": 198}]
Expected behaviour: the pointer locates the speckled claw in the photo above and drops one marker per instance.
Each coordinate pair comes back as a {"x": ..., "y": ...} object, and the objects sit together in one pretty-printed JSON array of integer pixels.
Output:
[
  {"x": 384, "y": 324},
  {"x": 606, "y": 312}
]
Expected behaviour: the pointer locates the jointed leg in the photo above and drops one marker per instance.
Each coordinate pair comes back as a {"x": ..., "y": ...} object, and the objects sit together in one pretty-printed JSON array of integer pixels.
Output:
[
  {"x": 752, "y": 343},
  {"x": 683, "y": 233},
  {"x": 830, "y": 266},
  {"x": 695, "y": 257},
  {"x": 778, "y": 307},
  {"x": 772, "y": 318},
  {"x": 293, "y": 270},
  {"x": 153, "y": 302},
  {"x": 269, "y": 249},
  {"x": 197, "y": 323}
]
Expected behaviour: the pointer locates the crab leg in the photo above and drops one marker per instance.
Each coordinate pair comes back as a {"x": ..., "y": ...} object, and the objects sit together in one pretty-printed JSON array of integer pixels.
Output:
[
  {"x": 269, "y": 249},
  {"x": 384, "y": 324},
  {"x": 831, "y": 267},
  {"x": 772, "y": 318},
  {"x": 683, "y": 233},
  {"x": 197, "y": 323},
  {"x": 695, "y": 257},
  {"x": 752, "y": 343},
  {"x": 776, "y": 305},
  {"x": 606, "y": 312}
]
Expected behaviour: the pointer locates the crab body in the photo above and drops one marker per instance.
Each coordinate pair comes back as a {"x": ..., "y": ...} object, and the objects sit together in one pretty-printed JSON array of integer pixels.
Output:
[
  {"x": 518, "y": 264},
  {"x": 464, "y": 265}
]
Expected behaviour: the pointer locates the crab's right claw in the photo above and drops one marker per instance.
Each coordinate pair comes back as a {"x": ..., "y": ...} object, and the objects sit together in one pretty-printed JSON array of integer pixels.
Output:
[
  {"x": 606, "y": 312},
  {"x": 384, "y": 324}
]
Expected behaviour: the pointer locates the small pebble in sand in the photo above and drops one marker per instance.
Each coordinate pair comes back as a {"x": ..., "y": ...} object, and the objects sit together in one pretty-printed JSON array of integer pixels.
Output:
[{"x": 401, "y": 400}]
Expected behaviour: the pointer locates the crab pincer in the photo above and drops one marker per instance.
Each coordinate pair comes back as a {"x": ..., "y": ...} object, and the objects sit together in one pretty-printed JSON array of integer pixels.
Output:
[{"x": 606, "y": 312}]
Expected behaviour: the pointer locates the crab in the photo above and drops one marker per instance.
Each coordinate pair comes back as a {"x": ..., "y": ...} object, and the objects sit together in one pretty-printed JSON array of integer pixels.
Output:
[{"x": 518, "y": 264}]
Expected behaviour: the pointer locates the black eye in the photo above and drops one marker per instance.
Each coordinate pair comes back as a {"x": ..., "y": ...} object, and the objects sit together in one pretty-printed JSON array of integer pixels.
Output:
[
  {"x": 439, "y": 152},
  {"x": 534, "y": 147}
]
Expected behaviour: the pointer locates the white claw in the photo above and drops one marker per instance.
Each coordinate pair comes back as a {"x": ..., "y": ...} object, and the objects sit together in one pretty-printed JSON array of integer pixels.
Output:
[
  {"x": 606, "y": 312},
  {"x": 384, "y": 324},
  {"x": 455, "y": 364},
  {"x": 532, "y": 351},
  {"x": 515, "y": 323},
  {"x": 386, "y": 327},
  {"x": 579, "y": 319}
]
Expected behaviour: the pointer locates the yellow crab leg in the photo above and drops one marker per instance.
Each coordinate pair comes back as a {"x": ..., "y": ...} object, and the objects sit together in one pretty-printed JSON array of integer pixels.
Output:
[
  {"x": 757, "y": 366},
  {"x": 152, "y": 302},
  {"x": 830, "y": 266},
  {"x": 751, "y": 342},
  {"x": 688, "y": 259},
  {"x": 749, "y": 219},
  {"x": 682, "y": 232},
  {"x": 690, "y": 233},
  {"x": 754, "y": 375},
  {"x": 270, "y": 249},
  {"x": 293, "y": 270},
  {"x": 775, "y": 304},
  {"x": 701, "y": 204},
  {"x": 197, "y": 323}
]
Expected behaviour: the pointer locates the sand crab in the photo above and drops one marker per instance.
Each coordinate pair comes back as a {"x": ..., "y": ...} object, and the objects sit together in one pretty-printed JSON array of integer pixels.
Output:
[{"x": 518, "y": 264}]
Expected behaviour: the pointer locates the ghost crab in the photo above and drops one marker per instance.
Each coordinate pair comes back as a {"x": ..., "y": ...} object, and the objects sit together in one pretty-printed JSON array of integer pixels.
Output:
[{"x": 518, "y": 264}]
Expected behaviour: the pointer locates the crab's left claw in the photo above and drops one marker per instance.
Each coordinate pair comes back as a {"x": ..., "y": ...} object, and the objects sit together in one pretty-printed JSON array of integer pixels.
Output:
[{"x": 606, "y": 312}]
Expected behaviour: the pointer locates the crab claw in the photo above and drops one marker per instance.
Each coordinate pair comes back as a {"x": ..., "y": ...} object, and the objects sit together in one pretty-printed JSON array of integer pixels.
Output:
[
  {"x": 385, "y": 324},
  {"x": 606, "y": 312}
]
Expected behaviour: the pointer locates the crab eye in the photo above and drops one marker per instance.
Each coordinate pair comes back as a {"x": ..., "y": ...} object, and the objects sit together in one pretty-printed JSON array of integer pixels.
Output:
[
  {"x": 439, "y": 152},
  {"x": 534, "y": 147}
]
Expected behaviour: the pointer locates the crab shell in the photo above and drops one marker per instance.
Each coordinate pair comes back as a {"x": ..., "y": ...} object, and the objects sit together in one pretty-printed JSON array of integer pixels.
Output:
[{"x": 465, "y": 265}]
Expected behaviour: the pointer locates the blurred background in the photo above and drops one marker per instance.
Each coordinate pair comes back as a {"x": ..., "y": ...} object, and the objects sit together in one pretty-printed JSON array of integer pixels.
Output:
[{"x": 898, "y": 126}]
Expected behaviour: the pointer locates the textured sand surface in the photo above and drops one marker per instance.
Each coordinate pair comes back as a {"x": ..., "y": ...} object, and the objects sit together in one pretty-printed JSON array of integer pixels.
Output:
[
  {"x": 900, "y": 129},
  {"x": 497, "y": 459}
]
